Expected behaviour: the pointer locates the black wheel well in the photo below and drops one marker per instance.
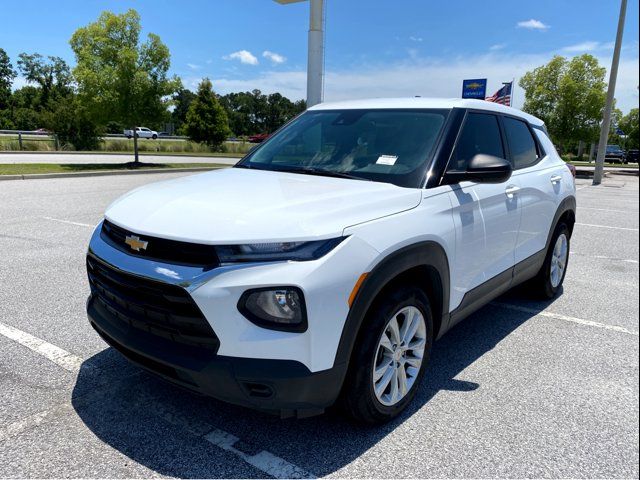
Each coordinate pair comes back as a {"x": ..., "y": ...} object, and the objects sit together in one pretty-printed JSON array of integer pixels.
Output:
[
  {"x": 568, "y": 217},
  {"x": 427, "y": 278}
]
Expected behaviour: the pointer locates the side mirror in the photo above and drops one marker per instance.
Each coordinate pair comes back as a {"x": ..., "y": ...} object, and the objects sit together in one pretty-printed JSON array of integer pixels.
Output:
[{"x": 483, "y": 169}]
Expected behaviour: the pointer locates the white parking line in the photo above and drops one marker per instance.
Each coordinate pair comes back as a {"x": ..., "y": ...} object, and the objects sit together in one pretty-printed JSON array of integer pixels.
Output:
[
  {"x": 606, "y": 210},
  {"x": 607, "y": 226},
  {"x": 263, "y": 460},
  {"x": 69, "y": 222},
  {"x": 557, "y": 316},
  {"x": 57, "y": 355},
  {"x": 603, "y": 257}
]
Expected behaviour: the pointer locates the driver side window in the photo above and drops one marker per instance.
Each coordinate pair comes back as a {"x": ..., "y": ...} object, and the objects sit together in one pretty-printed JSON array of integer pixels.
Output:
[{"x": 480, "y": 134}]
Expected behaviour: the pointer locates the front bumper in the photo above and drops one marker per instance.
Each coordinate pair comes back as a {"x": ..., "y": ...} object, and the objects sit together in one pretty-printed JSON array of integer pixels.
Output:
[{"x": 285, "y": 387}]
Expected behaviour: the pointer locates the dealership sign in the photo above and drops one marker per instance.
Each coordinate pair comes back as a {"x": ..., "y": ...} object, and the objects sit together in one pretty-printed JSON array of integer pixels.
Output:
[{"x": 476, "y": 88}]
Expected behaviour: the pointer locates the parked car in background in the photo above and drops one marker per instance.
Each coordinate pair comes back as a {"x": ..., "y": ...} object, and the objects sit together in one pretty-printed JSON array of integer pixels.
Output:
[
  {"x": 615, "y": 154},
  {"x": 325, "y": 264},
  {"x": 141, "y": 132},
  {"x": 632, "y": 156},
  {"x": 259, "y": 138}
]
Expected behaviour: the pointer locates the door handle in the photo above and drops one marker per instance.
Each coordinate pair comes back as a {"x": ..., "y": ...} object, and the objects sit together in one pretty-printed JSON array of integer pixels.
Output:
[
  {"x": 511, "y": 190},
  {"x": 556, "y": 179}
]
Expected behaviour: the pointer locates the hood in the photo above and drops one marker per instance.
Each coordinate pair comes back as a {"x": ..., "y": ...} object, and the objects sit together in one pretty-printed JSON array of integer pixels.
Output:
[{"x": 235, "y": 205}]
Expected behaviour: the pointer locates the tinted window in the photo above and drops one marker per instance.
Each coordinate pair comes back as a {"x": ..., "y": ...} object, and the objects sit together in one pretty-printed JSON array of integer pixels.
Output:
[
  {"x": 480, "y": 134},
  {"x": 392, "y": 146},
  {"x": 521, "y": 143}
]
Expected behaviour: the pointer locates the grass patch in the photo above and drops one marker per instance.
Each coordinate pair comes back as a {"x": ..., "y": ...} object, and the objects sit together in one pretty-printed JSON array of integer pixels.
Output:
[
  {"x": 29, "y": 168},
  {"x": 122, "y": 145}
]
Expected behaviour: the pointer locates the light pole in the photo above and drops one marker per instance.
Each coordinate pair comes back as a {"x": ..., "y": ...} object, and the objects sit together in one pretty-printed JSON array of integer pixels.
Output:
[
  {"x": 606, "y": 118},
  {"x": 315, "y": 60}
]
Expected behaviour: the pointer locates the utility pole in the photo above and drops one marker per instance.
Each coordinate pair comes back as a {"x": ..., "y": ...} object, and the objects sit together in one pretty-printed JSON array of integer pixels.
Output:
[
  {"x": 315, "y": 60},
  {"x": 606, "y": 118}
]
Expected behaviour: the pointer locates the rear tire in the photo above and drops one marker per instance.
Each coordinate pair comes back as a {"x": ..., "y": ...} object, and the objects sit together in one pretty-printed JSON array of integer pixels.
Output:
[
  {"x": 551, "y": 276},
  {"x": 384, "y": 353}
]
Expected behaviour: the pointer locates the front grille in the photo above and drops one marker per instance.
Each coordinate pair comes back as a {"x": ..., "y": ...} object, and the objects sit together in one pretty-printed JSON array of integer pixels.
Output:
[
  {"x": 169, "y": 251},
  {"x": 160, "y": 309}
]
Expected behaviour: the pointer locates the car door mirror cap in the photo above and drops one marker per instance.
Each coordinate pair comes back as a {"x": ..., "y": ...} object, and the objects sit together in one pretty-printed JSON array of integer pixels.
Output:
[{"x": 483, "y": 169}]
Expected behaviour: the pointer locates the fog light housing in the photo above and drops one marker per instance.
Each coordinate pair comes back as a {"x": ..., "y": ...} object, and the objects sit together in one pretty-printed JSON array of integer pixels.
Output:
[{"x": 275, "y": 308}]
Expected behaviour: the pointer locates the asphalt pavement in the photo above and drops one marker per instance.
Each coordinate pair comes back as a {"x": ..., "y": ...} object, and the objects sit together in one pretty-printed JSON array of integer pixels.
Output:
[
  {"x": 520, "y": 389},
  {"x": 85, "y": 158}
]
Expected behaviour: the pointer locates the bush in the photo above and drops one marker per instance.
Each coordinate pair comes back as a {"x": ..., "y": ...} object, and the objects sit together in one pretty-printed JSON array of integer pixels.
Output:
[
  {"x": 26, "y": 119},
  {"x": 6, "y": 121},
  {"x": 114, "y": 127},
  {"x": 73, "y": 126}
]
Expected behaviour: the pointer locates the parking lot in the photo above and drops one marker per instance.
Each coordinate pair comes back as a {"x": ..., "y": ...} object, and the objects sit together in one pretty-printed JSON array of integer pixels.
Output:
[{"x": 520, "y": 389}]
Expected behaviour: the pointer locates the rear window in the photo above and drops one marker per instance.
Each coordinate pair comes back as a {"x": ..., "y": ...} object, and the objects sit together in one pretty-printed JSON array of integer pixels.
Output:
[{"x": 524, "y": 151}]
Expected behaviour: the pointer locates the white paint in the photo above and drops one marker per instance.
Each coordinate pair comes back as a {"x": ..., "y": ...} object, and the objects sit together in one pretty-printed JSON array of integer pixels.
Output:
[
  {"x": 263, "y": 460},
  {"x": 27, "y": 423},
  {"x": 57, "y": 355},
  {"x": 607, "y": 226},
  {"x": 605, "y": 209},
  {"x": 603, "y": 257},
  {"x": 557, "y": 316},
  {"x": 69, "y": 222}
]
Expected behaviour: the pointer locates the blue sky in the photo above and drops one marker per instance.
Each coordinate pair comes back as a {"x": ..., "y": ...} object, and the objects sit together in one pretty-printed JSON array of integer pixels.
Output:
[{"x": 373, "y": 48}]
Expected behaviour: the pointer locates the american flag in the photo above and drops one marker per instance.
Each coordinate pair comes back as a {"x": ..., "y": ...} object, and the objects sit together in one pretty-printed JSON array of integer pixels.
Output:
[{"x": 502, "y": 96}]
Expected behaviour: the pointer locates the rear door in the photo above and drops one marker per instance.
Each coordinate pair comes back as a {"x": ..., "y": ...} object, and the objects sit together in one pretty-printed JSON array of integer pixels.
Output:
[
  {"x": 541, "y": 186},
  {"x": 486, "y": 216}
]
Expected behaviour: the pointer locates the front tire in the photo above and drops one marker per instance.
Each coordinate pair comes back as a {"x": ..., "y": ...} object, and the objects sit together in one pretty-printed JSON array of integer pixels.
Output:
[
  {"x": 549, "y": 280},
  {"x": 390, "y": 356},
  {"x": 154, "y": 136}
]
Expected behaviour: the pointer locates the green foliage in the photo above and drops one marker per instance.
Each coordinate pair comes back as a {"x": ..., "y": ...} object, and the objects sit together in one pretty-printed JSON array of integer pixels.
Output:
[
  {"x": 253, "y": 112},
  {"x": 7, "y": 74},
  {"x": 629, "y": 125},
  {"x": 73, "y": 125},
  {"x": 568, "y": 95},
  {"x": 6, "y": 120},
  {"x": 51, "y": 74},
  {"x": 206, "y": 120},
  {"x": 114, "y": 127},
  {"x": 26, "y": 119},
  {"x": 181, "y": 101},
  {"x": 120, "y": 78}
]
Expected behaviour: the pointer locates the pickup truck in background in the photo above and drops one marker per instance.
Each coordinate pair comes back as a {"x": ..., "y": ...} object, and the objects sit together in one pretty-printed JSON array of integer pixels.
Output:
[{"x": 141, "y": 132}]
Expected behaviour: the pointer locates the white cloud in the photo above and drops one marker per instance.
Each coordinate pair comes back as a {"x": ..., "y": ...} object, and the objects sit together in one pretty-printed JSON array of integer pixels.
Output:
[
  {"x": 274, "y": 57},
  {"x": 532, "y": 25},
  {"x": 416, "y": 39},
  {"x": 193, "y": 66},
  {"x": 425, "y": 77},
  {"x": 497, "y": 46},
  {"x": 244, "y": 56},
  {"x": 588, "y": 47}
]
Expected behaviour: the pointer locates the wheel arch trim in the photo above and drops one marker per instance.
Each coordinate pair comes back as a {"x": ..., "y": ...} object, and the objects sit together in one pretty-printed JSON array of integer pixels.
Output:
[{"x": 429, "y": 254}]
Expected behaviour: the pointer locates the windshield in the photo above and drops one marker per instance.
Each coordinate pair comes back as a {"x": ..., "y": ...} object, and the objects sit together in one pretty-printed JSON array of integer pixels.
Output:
[
  {"x": 391, "y": 146},
  {"x": 613, "y": 148}
]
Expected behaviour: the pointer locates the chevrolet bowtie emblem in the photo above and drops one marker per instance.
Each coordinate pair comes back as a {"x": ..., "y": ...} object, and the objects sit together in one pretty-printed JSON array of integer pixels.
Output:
[{"x": 135, "y": 243}]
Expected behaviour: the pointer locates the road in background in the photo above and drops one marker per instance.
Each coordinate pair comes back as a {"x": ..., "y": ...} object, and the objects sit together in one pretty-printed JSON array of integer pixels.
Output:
[
  {"x": 520, "y": 389},
  {"x": 86, "y": 158}
]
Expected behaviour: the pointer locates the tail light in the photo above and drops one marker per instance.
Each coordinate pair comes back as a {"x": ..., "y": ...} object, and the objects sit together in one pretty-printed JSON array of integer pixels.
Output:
[{"x": 572, "y": 169}]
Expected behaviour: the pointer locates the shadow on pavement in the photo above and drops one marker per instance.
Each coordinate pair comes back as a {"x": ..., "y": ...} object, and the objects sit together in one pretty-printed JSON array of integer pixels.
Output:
[{"x": 161, "y": 426}]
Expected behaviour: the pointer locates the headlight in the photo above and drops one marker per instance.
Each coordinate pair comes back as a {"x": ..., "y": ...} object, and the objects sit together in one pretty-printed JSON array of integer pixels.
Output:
[
  {"x": 276, "y": 308},
  {"x": 270, "y": 252}
]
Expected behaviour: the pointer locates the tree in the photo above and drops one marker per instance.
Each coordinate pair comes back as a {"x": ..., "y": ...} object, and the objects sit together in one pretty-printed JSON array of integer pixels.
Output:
[
  {"x": 52, "y": 74},
  {"x": 206, "y": 120},
  {"x": 73, "y": 125},
  {"x": 629, "y": 125},
  {"x": 568, "y": 95},
  {"x": 120, "y": 78},
  {"x": 181, "y": 101},
  {"x": 7, "y": 74}
]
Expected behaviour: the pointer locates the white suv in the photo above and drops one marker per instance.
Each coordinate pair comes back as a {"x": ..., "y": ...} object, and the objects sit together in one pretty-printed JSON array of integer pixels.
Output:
[{"x": 325, "y": 263}]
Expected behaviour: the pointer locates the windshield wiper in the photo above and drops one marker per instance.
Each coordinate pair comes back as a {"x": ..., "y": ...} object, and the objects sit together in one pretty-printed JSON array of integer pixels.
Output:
[{"x": 322, "y": 172}]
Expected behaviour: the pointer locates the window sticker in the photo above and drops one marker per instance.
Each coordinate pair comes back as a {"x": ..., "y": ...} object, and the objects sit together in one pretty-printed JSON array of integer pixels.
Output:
[{"x": 387, "y": 160}]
